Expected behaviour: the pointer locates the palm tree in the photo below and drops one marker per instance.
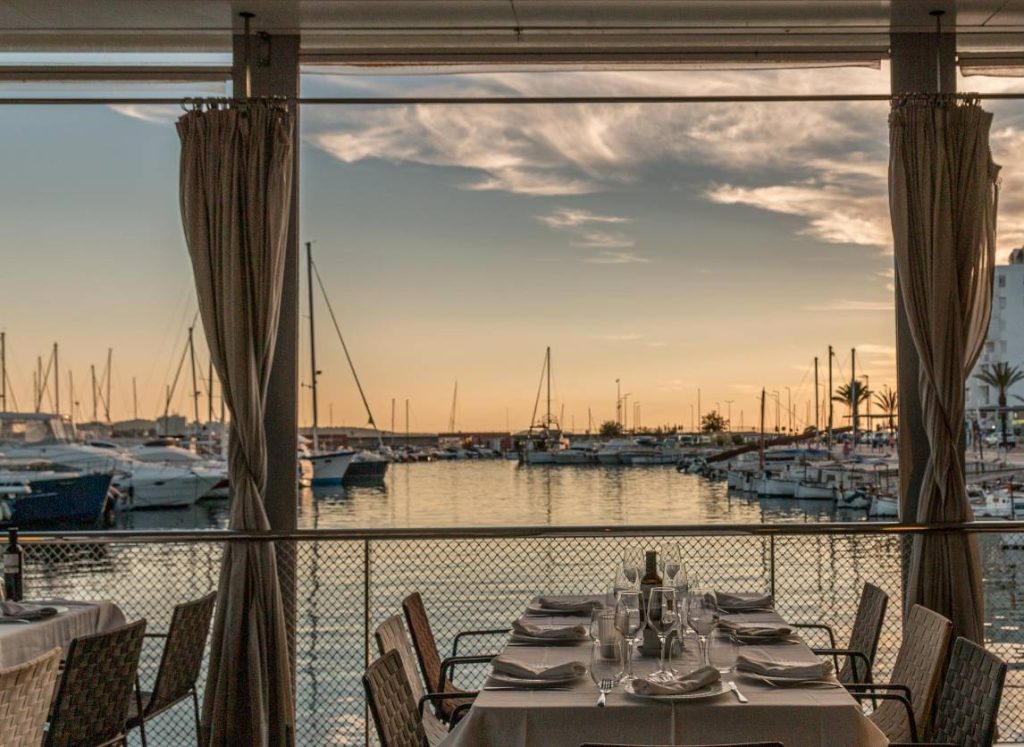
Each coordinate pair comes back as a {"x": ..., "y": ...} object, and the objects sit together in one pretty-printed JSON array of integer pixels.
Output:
[
  {"x": 1001, "y": 376},
  {"x": 847, "y": 392},
  {"x": 887, "y": 401}
]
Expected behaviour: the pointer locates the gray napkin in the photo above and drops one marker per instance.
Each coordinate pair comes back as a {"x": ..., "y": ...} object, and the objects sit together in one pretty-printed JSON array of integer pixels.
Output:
[
  {"x": 25, "y": 611},
  {"x": 512, "y": 667},
  {"x": 681, "y": 685},
  {"x": 563, "y": 633},
  {"x": 781, "y": 668},
  {"x": 743, "y": 602},
  {"x": 560, "y": 604},
  {"x": 748, "y": 632}
]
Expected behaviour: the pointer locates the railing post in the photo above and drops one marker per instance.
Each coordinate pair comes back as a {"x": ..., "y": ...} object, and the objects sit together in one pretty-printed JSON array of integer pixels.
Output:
[
  {"x": 771, "y": 565},
  {"x": 366, "y": 631}
]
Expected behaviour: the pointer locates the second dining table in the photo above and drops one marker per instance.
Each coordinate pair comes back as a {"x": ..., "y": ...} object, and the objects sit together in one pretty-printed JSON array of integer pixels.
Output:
[
  {"x": 795, "y": 715},
  {"x": 23, "y": 640}
]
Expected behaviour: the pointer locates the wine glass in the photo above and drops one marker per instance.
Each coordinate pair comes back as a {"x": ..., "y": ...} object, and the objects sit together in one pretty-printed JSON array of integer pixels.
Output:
[
  {"x": 662, "y": 615},
  {"x": 604, "y": 670},
  {"x": 627, "y": 622},
  {"x": 632, "y": 567},
  {"x": 702, "y": 614},
  {"x": 669, "y": 563}
]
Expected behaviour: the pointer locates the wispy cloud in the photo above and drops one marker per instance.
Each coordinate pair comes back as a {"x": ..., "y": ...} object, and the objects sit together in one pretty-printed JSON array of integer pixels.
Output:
[
  {"x": 674, "y": 385},
  {"x": 615, "y": 258},
  {"x": 619, "y": 337},
  {"x": 564, "y": 217},
  {"x": 152, "y": 113},
  {"x": 603, "y": 240},
  {"x": 851, "y": 305}
]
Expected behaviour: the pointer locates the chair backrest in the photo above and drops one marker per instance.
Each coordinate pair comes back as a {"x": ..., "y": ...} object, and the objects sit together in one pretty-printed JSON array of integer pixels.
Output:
[
  {"x": 183, "y": 652},
  {"x": 919, "y": 667},
  {"x": 970, "y": 695},
  {"x": 423, "y": 640},
  {"x": 867, "y": 629},
  {"x": 96, "y": 687},
  {"x": 392, "y": 706},
  {"x": 26, "y": 691},
  {"x": 390, "y": 636}
]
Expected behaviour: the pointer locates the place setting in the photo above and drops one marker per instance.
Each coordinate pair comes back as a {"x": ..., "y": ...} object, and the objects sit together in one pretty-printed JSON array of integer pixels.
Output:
[
  {"x": 25, "y": 612},
  {"x": 513, "y": 673}
]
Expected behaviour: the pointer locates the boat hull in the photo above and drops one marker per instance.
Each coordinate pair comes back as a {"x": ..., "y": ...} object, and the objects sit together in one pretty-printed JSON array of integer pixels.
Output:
[
  {"x": 76, "y": 499},
  {"x": 365, "y": 471},
  {"x": 330, "y": 469},
  {"x": 814, "y": 492}
]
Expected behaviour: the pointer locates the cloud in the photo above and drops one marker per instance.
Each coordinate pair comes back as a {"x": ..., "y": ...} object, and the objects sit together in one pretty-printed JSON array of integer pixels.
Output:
[
  {"x": 657, "y": 344},
  {"x": 872, "y": 349},
  {"x": 673, "y": 385},
  {"x": 603, "y": 240},
  {"x": 615, "y": 258},
  {"x": 573, "y": 218},
  {"x": 621, "y": 337},
  {"x": 152, "y": 113},
  {"x": 850, "y": 305}
]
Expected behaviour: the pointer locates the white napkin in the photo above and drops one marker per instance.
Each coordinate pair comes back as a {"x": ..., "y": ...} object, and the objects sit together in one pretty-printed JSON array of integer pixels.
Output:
[
  {"x": 512, "y": 667},
  {"x": 756, "y": 631},
  {"x": 560, "y": 604},
  {"x": 25, "y": 611},
  {"x": 743, "y": 602},
  {"x": 562, "y": 633},
  {"x": 776, "y": 668},
  {"x": 679, "y": 686}
]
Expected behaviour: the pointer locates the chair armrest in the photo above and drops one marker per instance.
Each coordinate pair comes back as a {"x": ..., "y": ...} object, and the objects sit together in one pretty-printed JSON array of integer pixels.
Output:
[
  {"x": 438, "y": 697},
  {"x": 866, "y": 686},
  {"x": 457, "y": 715},
  {"x": 921, "y": 744},
  {"x": 448, "y": 666},
  {"x": 468, "y": 633},
  {"x": 852, "y": 655},
  {"x": 818, "y": 626},
  {"x": 860, "y": 697}
]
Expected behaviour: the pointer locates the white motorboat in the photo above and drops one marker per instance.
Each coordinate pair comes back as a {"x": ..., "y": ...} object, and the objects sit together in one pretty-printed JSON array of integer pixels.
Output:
[
  {"x": 167, "y": 452},
  {"x": 165, "y": 485},
  {"x": 609, "y": 454},
  {"x": 884, "y": 506},
  {"x": 578, "y": 453},
  {"x": 329, "y": 467},
  {"x": 775, "y": 484},
  {"x": 650, "y": 451},
  {"x": 986, "y": 505}
]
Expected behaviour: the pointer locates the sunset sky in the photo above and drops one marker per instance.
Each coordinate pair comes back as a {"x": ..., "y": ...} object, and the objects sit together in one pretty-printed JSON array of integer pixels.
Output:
[{"x": 673, "y": 247}]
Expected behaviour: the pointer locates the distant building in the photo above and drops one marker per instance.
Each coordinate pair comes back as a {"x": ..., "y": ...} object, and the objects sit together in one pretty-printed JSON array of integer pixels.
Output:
[{"x": 1004, "y": 344}]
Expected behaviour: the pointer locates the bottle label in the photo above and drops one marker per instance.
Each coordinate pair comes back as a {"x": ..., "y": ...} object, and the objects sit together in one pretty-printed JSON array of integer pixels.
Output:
[{"x": 12, "y": 564}]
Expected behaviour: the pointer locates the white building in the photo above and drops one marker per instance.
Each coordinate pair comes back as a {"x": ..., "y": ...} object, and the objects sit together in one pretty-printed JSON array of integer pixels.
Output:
[{"x": 1005, "y": 342}]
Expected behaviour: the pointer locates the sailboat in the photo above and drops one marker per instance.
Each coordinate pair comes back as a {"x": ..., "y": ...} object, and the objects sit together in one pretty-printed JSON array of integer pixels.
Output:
[
  {"x": 544, "y": 438},
  {"x": 344, "y": 465}
]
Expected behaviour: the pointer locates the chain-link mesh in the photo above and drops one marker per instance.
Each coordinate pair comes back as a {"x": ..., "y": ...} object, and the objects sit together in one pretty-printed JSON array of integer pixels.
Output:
[{"x": 343, "y": 588}]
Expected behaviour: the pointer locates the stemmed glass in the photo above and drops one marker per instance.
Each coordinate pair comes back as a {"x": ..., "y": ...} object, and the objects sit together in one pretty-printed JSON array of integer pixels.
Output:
[
  {"x": 670, "y": 563},
  {"x": 627, "y": 622},
  {"x": 661, "y": 618},
  {"x": 702, "y": 614},
  {"x": 604, "y": 671},
  {"x": 630, "y": 570}
]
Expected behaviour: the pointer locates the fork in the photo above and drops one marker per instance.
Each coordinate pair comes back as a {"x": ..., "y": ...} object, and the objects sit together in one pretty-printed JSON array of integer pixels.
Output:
[
  {"x": 736, "y": 691},
  {"x": 607, "y": 683},
  {"x": 823, "y": 684}
]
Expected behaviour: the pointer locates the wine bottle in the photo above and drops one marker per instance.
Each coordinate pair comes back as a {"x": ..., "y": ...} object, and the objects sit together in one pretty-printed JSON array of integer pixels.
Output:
[
  {"x": 650, "y": 580},
  {"x": 13, "y": 590}
]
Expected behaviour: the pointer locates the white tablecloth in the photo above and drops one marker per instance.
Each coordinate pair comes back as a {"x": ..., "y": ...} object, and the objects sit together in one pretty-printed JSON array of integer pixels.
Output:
[
  {"x": 21, "y": 642},
  {"x": 797, "y": 717}
]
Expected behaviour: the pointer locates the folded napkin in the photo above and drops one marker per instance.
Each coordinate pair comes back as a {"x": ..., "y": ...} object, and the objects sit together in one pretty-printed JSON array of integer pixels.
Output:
[
  {"x": 561, "y": 604},
  {"x": 563, "y": 633},
  {"x": 756, "y": 632},
  {"x": 781, "y": 668},
  {"x": 25, "y": 611},
  {"x": 679, "y": 686},
  {"x": 512, "y": 667},
  {"x": 743, "y": 602}
]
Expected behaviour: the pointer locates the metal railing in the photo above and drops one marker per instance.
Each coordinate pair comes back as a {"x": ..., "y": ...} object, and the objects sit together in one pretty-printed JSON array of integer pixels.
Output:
[{"x": 342, "y": 583}]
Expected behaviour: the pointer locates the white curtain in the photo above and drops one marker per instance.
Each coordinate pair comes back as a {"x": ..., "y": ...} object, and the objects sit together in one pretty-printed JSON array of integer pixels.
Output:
[
  {"x": 236, "y": 175},
  {"x": 943, "y": 202}
]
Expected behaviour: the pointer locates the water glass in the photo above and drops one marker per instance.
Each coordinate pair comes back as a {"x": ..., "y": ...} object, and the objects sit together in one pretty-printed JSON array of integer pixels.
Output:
[
  {"x": 723, "y": 651},
  {"x": 702, "y": 614},
  {"x": 603, "y": 632},
  {"x": 604, "y": 671},
  {"x": 662, "y": 615},
  {"x": 628, "y": 624}
]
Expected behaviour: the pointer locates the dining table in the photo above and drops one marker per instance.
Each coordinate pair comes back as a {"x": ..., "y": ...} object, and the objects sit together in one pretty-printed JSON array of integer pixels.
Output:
[
  {"x": 809, "y": 715},
  {"x": 23, "y": 640}
]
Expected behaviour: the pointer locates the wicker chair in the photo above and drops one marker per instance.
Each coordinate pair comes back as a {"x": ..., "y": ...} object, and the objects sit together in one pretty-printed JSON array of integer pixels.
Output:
[
  {"x": 437, "y": 673},
  {"x": 95, "y": 690},
  {"x": 391, "y": 636},
  {"x": 185, "y": 643},
  {"x": 398, "y": 719},
  {"x": 906, "y": 702},
  {"x": 732, "y": 744},
  {"x": 25, "y": 694},
  {"x": 859, "y": 655}
]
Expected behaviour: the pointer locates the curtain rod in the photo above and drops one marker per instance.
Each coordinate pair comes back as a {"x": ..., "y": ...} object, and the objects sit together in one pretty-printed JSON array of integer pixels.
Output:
[{"x": 504, "y": 100}]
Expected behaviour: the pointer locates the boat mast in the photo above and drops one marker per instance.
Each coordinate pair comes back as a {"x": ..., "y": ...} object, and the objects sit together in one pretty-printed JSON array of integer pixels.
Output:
[
  {"x": 3, "y": 372},
  {"x": 547, "y": 363},
  {"x": 829, "y": 440},
  {"x": 854, "y": 391},
  {"x": 106, "y": 402},
  {"x": 761, "y": 450},
  {"x": 56, "y": 381},
  {"x": 817, "y": 421},
  {"x": 195, "y": 381},
  {"x": 451, "y": 416},
  {"x": 312, "y": 342},
  {"x": 135, "y": 400},
  {"x": 92, "y": 370}
]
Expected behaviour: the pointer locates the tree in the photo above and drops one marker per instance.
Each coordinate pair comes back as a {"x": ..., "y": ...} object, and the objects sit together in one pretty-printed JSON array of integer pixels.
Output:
[
  {"x": 610, "y": 428},
  {"x": 713, "y": 422},
  {"x": 888, "y": 402},
  {"x": 1001, "y": 376},
  {"x": 847, "y": 392}
]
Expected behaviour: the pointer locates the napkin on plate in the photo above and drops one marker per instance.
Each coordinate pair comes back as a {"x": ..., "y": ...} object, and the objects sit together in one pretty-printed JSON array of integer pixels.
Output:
[
  {"x": 561, "y": 633},
  {"x": 679, "y": 686},
  {"x": 512, "y": 667},
  {"x": 25, "y": 611},
  {"x": 743, "y": 602},
  {"x": 747, "y": 632},
  {"x": 781, "y": 668},
  {"x": 561, "y": 604}
]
